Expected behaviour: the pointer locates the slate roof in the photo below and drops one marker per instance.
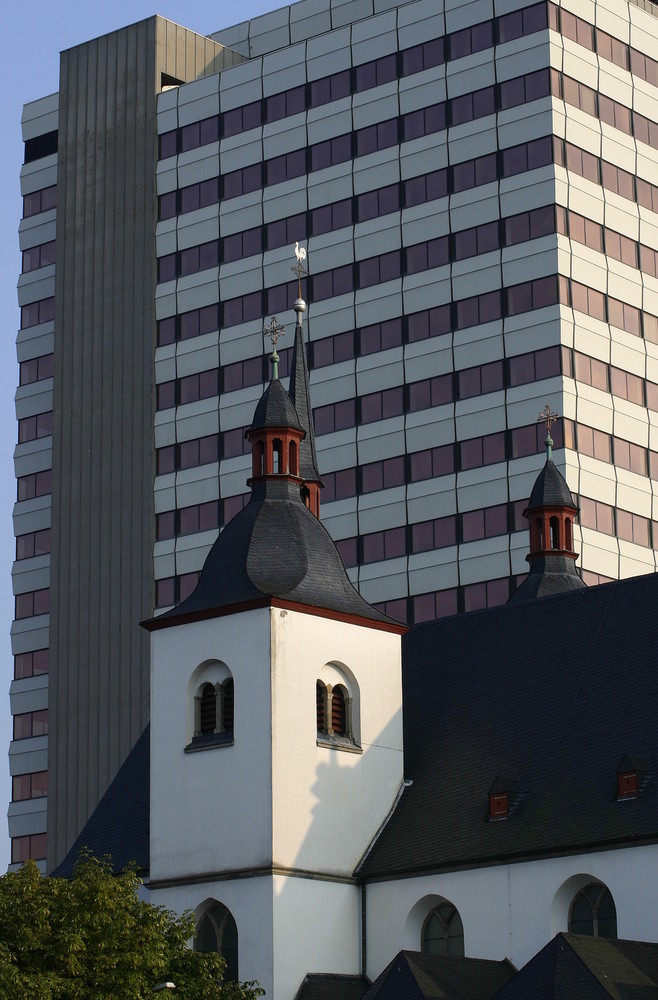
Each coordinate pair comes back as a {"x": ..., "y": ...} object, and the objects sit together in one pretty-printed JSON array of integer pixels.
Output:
[
  {"x": 412, "y": 976},
  {"x": 300, "y": 394},
  {"x": 274, "y": 547},
  {"x": 588, "y": 968},
  {"x": 549, "y": 574},
  {"x": 119, "y": 825},
  {"x": 550, "y": 489},
  {"x": 275, "y": 409},
  {"x": 539, "y": 692},
  {"x": 330, "y": 986}
]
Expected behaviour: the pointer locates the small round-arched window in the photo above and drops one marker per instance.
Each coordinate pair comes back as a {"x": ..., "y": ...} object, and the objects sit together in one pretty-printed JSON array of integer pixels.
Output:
[
  {"x": 338, "y": 713},
  {"x": 593, "y": 912},
  {"x": 207, "y": 710},
  {"x": 217, "y": 931},
  {"x": 443, "y": 931}
]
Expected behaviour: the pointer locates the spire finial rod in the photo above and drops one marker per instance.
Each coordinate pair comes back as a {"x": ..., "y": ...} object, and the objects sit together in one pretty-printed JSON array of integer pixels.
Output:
[
  {"x": 273, "y": 332},
  {"x": 548, "y": 417},
  {"x": 299, "y": 268}
]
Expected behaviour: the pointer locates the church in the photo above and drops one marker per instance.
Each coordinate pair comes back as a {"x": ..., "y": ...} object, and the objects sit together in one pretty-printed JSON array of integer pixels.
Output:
[{"x": 346, "y": 804}]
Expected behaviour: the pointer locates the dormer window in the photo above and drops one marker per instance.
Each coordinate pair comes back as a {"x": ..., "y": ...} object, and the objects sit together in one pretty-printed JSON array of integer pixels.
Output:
[
  {"x": 501, "y": 798},
  {"x": 630, "y": 774},
  {"x": 498, "y": 805}
]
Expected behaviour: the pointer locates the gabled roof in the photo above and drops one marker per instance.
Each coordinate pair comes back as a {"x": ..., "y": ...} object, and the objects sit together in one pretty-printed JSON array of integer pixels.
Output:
[
  {"x": 554, "y": 693},
  {"x": 412, "y": 976},
  {"x": 589, "y": 968},
  {"x": 119, "y": 825},
  {"x": 331, "y": 986}
]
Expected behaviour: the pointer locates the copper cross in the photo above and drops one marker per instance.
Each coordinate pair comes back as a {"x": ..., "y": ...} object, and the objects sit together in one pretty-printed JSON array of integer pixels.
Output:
[
  {"x": 273, "y": 331},
  {"x": 548, "y": 417}
]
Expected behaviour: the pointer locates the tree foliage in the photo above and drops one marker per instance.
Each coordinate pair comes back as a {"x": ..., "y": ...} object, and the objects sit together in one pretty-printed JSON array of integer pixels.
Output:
[{"x": 92, "y": 937}]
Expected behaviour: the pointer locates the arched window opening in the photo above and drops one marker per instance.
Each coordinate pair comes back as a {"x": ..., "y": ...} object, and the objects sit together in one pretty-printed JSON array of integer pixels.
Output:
[
  {"x": 321, "y": 706},
  {"x": 292, "y": 459},
  {"x": 338, "y": 713},
  {"x": 227, "y": 707},
  {"x": 217, "y": 931},
  {"x": 305, "y": 495},
  {"x": 277, "y": 457},
  {"x": 593, "y": 912},
  {"x": 259, "y": 466},
  {"x": 443, "y": 931},
  {"x": 539, "y": 532},
  {"x": 555, "y": 533},
  {"x": 568, "y": 533},
  {"x": 208, "y": 713}
]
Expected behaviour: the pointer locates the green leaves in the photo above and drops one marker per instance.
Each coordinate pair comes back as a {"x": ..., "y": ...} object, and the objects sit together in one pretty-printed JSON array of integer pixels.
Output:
[{"x": 93, "y": 937}]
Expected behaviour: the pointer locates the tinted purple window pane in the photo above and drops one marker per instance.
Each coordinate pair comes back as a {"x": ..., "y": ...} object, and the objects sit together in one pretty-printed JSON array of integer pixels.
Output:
[
  {"x": 421, "y": 466},
  {"x": 460, "y": 43},
  {"x": 544, "y": 292},
  {"x": 537, "y": 85},
  {"x": 189, "y": 198},
  {"x": 422, "y": 536},
  {"x": 389, "y": 266},
  {"x": 347, "y": 549},
  {"x": 387, "y": 134},
  {"x": 389, "y": 199},
  {"x": 44, "y": 424},
  {"x": 393, "y": 472},
  {"x": 489, "y": 306},
  {"x": 189, "y": 261},
  {"x": 322, "y": 285},
  {"x": 166, "y": 460},
  {"x": 209, "y": 130},
  {"x": 366, "y": 140},
  {"x": 371, "y": 407},
  {"x": 345, "y": 414},
  {"x": 386, "y": 69},
  {"x": 392, "y": 402},
  {"x": 373, "y": 547},
  {"x": 365, "y": 76},
  {"x": 31, "y": 259},
  {"x": 372, "y": 477},
  {"x": 467, "y": 313},
  {"x": 232, "y": 247},
  {"x": 437, "y": 184},
  {"x": 166, "y": 395},
  {"x": 487, "y": 237},
  {"x": 233, "y": 443},
  {"x": 473, "y": 525},
  {"x": 167, "y": 267},
  {"x": 511, "y": 93},
  {"x": 438, "y": 252},
  {"x": 341, "y": 149},
  {"x": 542, "y": 222},
  {"x": 412, "y": 60},
  {"x": 414, "y": 191},
  {"x": 320, "y": 158},
  {"x": 32, "y": 204},
  {"x": 208, "y": 255},
  {"x": 416, "y": 258},
  {"x": 433, "y": 53},
  {"x": 276, "y": 170},
  {"x": 413, "y": 126},
  {"x": 208, "y": 515},
  {"x": 320, "y": 92},
  {"x": 495, "y": 520},
  {"x": 461, "y": 109},
  {"x": 208, "y": 383},
  {"x": 515, "y": 160},
  {"x": 519, "y": 299},
  {"x": 524, "y": 441},
  {"x": 493, "y": 446},
  {"x": 29, "y": 371},
  {"x": 418, "y": 326},
  {"x": 189, "y": 136},
  {"x": 251, "y": 115},
  {"x": 209, "y": 192},
  {"x": 275, "y": 107},
  {"x": 492, "y": 377},
  {"x": 435, "y": 118},
  {"x": 367, "y": 206},
  {"x": 484, "y": 102},
  {"x": 345, "y": 483},
  {"x": 547, "y": 363},
  {"x": 296, "y": 100},
  {"x": 510, "y": 26},
  {"x": 469, "y": 383},
  {"x": 186, "y": 584},
  {"x": 209, "y": 449},
  {"x": 368, "y": 272},
  {"x": 485, "y": 169},
  {"x": 539, "y": 153},
  {"x": 395, "y": 543},
  {"x": 209, "y": 318},
  {"x": 343, "y": 280},
  {"x": 164, "y": 592},
  {"x": 188, "y": 454},
  {"x": 48, "y": 198},
  {"x": 48, "y": 253},
  {"x": 370, "y": 339},
  {"x": 465, "y": 244},
  {"x": 165, "y": 527},
  {"x": 341, "y": 214},
  {"x": 535, "y": 18},
  {"x": 232, "y": 121},
  {"x": 463, "y": 176},
  {"x": 471, "y": 453},
  {"x": 252, "y": 306},
  {"x": 295, "y": 164},
  {"x": 481, "y": 36},
  {"x": 251, "y": 177},
  {"x": 232, "y": 313},
  {"x": 391, "y": 331},
  {"x": 42, "y": 607},
  {"x": 168, "y": 144}
]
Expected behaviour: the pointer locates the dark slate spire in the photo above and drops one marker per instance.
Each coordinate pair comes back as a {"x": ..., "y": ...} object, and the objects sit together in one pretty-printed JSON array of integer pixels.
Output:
[
  {"x": 550, "y": 512},
  {"x": 300, "y": 394}
]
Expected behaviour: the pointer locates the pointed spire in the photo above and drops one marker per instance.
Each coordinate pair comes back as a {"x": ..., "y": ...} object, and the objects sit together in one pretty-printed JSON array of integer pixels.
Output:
[
  {"x": 550, "y": 512},
  {"x": 300, "y": 393}
]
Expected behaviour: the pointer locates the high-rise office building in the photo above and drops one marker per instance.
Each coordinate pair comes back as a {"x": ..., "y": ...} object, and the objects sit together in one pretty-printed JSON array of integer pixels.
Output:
[{"x": 477, "y": 189}]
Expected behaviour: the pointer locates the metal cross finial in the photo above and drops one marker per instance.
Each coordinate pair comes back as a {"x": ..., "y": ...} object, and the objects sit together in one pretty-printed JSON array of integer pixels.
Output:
[
  {"x": 273, "y": 332},
  {"x": 299, "y": 268},
  {"x": 548, "y": 417}
]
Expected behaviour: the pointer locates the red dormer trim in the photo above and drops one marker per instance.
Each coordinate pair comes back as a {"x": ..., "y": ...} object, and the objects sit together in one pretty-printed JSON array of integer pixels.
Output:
[
  {"x": 498, "y": 805},
  {"x": 275, "y": 452},
  {"x": 551, "y": 531},
  {"x": 627, "y": 784}
]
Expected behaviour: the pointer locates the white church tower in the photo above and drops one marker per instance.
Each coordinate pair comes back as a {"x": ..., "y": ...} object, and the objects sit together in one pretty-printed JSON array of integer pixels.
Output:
[{"x": 276, "y": 723}]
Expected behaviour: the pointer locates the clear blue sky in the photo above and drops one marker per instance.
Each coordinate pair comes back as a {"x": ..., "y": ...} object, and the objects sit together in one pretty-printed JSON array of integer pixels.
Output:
[{"x": 34, "y": 37}]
